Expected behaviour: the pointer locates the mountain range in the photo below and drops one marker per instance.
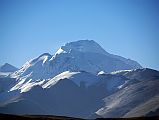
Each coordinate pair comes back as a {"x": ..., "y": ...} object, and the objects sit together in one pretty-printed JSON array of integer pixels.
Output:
[{"x": 80, "y": 80}]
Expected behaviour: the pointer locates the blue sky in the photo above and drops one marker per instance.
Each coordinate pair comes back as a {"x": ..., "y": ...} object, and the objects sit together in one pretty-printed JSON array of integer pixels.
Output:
[{"x": 129, "y": 28}]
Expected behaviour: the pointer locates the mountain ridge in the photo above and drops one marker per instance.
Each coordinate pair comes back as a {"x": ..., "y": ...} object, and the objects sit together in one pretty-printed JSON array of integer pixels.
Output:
[
  {"x": 7, "y": 68},
  {"x": 83, "y": 55},
  {"x": 80, "y": 80}
]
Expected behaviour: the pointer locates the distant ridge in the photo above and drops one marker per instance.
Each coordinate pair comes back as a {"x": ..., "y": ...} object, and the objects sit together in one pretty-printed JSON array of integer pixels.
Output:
[{"x": 7, "y": 68}]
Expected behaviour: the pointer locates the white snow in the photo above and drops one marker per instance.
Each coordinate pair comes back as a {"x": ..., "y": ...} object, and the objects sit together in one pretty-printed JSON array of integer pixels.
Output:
[
  {"x": 76, "y": 77},
  {"x": 66, "y": 74},
  {"x": 82, "y": 55},
  {"x": 60, "y": 50},
  {"x": 84, "y": 46},
  {"x": 82, "y": 70},
  {"x": 27, "y": 86},
  {"x": 101, "y": 73},
  {"x": 120, "y": 71},
  {"x": 4, "y": 74}
]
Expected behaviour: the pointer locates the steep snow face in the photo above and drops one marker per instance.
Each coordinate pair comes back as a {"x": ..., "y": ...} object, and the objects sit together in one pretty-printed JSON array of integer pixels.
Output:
[
  {"x": 87, "y": 55},
  {"x": 80, "y": 78},
  {"x": 84, "y": 46},
  {"x": 7, "y": 68},
  {"x": 34, "y": 72},
  {"x": 38, "y": 68},
  {"x": 82, "y": 55}
]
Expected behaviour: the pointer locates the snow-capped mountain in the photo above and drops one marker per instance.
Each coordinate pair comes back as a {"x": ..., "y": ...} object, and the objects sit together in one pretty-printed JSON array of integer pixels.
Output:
[
  {"x": 81, "y": 80},
  {"x": 82, "y": 55}
]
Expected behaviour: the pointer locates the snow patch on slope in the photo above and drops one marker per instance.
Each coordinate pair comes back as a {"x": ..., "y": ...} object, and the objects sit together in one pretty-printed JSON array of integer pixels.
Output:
[{"x": 76, "y": 77}]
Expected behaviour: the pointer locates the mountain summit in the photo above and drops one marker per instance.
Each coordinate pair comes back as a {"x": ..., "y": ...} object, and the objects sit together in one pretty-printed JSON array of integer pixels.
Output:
[
  {"x": 84, "y": 46},
  {"x": 78, "y": 81},
  {"x": 7, "y": 68},
  {"x": 82, "y": 55}
]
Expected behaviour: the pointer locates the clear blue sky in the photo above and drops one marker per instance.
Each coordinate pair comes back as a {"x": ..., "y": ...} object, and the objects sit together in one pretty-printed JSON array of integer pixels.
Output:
[{"x": 129, "y": 28}]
